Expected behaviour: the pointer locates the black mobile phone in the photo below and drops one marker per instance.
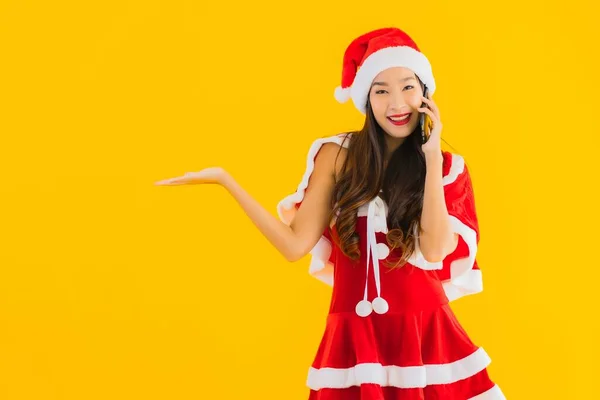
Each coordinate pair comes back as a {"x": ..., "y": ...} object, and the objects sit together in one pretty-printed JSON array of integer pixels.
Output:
[{"x": 425, "y": 120}]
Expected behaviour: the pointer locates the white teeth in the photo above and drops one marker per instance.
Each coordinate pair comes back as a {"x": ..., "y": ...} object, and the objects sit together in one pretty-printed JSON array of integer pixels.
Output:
[{"x": 400, "y": 119}]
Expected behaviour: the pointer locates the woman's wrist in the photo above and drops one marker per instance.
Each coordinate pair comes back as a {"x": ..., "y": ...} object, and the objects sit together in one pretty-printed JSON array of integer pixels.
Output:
[
  {"x": 225, "y": 179},
  {"x": 432, "y": 157}
]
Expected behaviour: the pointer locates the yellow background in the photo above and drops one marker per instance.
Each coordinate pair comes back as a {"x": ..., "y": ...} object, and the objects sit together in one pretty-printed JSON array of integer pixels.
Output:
[{"x": 112, "y": 288}]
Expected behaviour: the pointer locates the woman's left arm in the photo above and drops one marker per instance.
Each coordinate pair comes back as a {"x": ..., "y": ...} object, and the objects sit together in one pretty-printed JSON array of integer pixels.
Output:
[{"x": 436, "y": 238}]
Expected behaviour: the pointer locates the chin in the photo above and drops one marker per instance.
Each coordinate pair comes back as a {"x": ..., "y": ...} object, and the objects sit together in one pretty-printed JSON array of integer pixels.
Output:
[{"x": 400, "y": 131}]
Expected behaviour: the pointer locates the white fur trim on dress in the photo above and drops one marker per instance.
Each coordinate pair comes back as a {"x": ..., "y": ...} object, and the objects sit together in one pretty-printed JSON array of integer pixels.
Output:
[
  {"x": 399, "y": 56},
  {"x": 457, "y": 167},
  {"x": 320, "y": 267},
  {"x": 464, "y": 280},
  {"x": 401, "y": 377},
  {"x": 493, "y": 394}
]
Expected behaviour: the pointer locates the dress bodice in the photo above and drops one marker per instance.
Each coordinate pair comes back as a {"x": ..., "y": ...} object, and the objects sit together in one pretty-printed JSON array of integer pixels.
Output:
[{"x": 368, "y": 285}]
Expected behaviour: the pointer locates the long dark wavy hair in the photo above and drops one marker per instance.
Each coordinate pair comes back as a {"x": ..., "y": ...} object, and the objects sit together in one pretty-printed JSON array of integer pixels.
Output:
[{"x": 363, "y": 176}]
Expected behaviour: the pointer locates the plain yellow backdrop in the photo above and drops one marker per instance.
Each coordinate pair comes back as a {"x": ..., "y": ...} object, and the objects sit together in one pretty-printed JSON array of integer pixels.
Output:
[{"x": 113, "y": 288}]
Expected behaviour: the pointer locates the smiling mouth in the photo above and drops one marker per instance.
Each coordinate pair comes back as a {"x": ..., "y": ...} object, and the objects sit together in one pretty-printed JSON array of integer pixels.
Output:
[{"x": 396, "y": 120}]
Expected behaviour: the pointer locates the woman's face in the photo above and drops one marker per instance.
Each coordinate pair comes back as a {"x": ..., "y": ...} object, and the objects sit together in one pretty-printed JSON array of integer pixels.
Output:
[{"x": 395, "y": 96}]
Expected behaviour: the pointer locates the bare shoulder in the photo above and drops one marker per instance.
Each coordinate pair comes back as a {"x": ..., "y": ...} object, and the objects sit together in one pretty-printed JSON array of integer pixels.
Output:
[{"x": 333, "y": 155}]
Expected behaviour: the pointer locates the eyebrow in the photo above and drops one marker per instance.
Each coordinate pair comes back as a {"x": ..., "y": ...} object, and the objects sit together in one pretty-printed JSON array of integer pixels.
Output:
[{"x": 408, "y": 78}]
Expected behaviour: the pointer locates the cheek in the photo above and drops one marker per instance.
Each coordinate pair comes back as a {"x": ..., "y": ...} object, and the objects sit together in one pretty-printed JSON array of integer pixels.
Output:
[
  {"x": 379, "y": 112},
  {"x": 415, "y": 101},
  {"x": 378, "y": 105}
]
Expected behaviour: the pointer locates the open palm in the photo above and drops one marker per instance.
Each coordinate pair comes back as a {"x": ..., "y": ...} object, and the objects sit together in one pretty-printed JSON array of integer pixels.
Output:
[{"x": 207, "y": 175}]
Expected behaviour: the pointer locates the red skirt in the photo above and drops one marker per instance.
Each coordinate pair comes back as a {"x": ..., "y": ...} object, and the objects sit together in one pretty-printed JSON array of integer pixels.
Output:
[{"x": 412, "y": 355}]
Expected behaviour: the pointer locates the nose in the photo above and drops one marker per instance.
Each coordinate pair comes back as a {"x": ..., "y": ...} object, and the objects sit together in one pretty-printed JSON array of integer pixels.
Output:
[{"x": 398, "y": 101}]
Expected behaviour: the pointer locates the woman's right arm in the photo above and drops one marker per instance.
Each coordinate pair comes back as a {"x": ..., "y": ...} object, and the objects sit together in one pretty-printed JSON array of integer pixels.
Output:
[{"x": 311, "y": 219}]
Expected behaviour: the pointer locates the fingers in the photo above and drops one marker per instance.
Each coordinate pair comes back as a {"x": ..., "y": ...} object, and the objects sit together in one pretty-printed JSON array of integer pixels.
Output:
[
  {"x": 172, "y": 181},
  {"x": 207, "y": 175},
  {"x": 428, "y": 112}
]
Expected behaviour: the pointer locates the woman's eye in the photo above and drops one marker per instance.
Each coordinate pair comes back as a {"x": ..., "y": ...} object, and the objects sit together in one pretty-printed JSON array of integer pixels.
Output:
[{"x": 381, "y": 91}]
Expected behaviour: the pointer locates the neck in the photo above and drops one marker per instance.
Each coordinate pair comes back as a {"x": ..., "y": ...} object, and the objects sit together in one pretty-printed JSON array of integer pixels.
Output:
[{"x": 392, "y": 144}]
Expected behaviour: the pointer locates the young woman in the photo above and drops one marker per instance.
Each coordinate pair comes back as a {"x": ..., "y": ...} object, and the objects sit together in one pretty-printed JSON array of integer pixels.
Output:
[{"x": 389, "y": 219}]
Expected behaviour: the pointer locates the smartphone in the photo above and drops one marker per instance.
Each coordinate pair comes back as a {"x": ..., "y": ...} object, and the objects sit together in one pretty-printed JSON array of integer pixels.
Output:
[{"x": 425, "y": 120}]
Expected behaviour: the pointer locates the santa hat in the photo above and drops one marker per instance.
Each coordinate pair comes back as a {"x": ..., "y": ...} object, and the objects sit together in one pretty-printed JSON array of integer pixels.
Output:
[{"x": 374, "y": 52}]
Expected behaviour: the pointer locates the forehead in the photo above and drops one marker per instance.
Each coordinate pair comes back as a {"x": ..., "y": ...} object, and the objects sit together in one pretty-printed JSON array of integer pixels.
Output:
[{"x": 394, "y": 74}]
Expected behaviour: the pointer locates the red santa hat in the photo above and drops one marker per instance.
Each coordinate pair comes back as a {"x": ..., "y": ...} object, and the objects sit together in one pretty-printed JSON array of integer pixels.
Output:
[{"x": 374, "y": 52}]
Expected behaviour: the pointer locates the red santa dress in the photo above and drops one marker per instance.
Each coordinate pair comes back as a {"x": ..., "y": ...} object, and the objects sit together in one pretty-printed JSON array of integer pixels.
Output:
[{"x": 390, "y": 333}]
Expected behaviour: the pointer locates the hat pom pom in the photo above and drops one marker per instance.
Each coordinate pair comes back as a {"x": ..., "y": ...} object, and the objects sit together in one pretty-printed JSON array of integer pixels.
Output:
[{"x": 342, "y": 95}]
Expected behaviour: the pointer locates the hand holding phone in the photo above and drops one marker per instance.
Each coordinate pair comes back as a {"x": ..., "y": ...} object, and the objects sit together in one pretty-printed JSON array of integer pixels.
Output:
[{"x": 425, "y": 120}]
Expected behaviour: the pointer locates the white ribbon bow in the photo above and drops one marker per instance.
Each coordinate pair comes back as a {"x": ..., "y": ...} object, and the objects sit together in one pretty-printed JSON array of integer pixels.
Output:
[{"x": 376, "y": 222}]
